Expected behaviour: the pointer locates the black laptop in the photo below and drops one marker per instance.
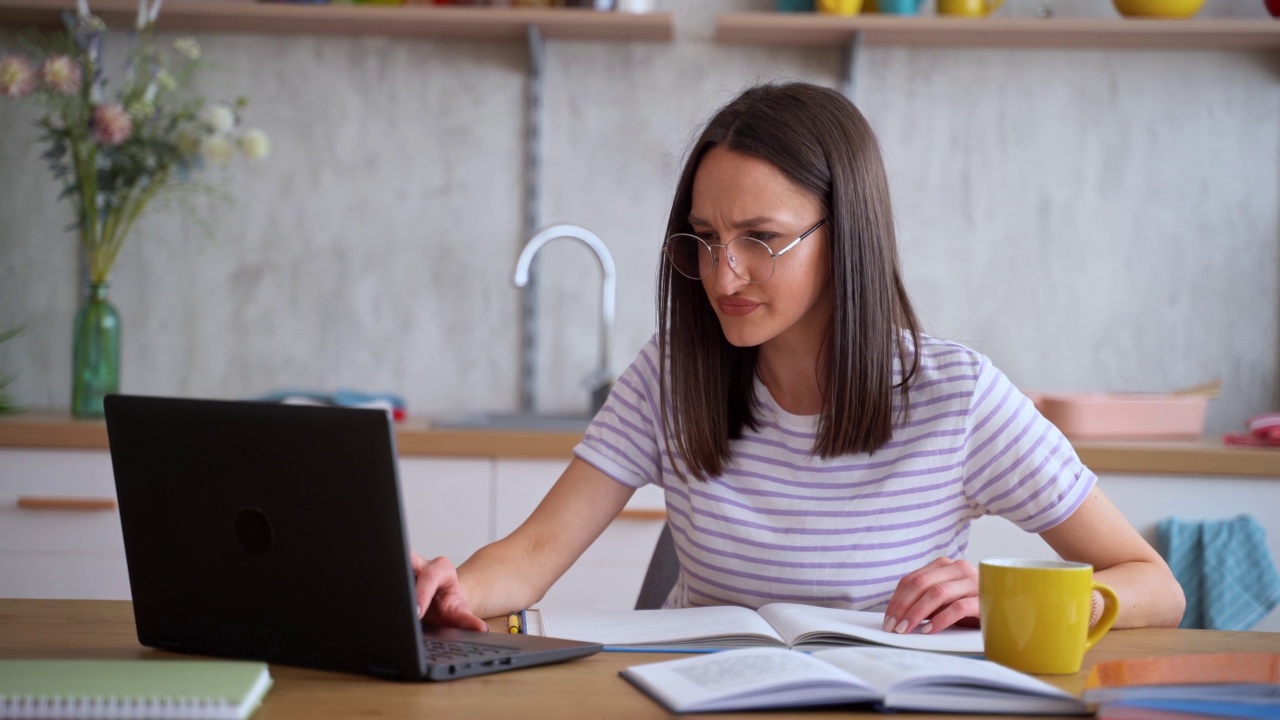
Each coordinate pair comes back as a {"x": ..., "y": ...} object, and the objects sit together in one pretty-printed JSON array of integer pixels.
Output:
[{"x": 276, "y": 533}]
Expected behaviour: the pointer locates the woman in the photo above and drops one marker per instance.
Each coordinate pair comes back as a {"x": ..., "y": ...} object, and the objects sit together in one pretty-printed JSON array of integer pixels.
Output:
[{"x": 813, "y": 444}]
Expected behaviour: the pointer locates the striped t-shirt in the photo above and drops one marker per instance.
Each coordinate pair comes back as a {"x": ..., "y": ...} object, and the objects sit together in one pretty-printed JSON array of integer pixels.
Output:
[{"x": 782, "y": 525}]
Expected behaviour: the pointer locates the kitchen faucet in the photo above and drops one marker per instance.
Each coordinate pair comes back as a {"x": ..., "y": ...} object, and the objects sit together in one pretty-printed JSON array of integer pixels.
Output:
[{"x": 602, "y": 379}]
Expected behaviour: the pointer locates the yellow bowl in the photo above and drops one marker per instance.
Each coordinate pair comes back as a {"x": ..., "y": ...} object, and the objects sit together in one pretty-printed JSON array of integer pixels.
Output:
[{"x": 1159, "y": 8}]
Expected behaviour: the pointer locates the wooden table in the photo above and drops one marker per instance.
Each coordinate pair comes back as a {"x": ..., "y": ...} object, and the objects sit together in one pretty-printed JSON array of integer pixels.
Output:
[{"x": 585, "y": 688}]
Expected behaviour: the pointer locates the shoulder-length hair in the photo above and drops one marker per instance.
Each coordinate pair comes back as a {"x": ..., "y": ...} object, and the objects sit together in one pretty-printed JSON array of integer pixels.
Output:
[{"x": 818, "y": 139}]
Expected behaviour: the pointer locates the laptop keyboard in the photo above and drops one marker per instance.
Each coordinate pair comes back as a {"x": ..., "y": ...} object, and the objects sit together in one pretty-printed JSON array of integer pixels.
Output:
[{"x": 452, "y": 652}]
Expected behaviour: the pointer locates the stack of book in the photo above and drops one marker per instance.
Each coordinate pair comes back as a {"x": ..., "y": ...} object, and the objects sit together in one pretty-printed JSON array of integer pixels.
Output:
[{"x": 1186, "y": 687}]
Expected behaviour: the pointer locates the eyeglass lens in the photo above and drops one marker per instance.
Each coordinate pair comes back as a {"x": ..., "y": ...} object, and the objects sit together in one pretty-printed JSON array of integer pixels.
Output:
[{"x": 749, "y": 258}]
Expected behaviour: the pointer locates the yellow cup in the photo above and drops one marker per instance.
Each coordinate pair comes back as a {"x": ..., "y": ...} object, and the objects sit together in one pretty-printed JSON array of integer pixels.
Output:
[
  {"x": 968, "y": 8},
  {"x": 1035, "y": 614},
  {"x": 839, "y": 7}
]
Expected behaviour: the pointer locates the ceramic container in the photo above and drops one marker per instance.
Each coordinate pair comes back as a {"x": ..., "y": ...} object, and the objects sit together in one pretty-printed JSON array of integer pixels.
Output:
[{"x": 1159, "y": 8}]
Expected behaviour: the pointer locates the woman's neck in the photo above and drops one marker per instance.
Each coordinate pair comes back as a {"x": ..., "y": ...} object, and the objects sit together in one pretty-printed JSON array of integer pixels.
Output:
[{"x": 789, "y": 371}]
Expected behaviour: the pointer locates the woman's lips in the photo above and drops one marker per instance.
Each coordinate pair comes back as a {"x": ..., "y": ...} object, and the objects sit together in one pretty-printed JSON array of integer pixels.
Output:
[{"x": 736, "y": 306}]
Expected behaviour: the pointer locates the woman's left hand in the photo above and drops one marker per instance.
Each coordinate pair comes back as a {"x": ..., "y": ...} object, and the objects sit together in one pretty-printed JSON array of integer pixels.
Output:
[{"x": 944, "y": 592}]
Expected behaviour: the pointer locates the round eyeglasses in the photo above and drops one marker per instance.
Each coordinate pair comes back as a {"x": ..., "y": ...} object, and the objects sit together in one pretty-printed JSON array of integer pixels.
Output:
[{"x": 749, "y": 258}]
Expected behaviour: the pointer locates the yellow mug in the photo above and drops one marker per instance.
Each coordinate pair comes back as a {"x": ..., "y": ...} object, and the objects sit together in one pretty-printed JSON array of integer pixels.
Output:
[
  {"x": 968, "y": 8},
  {"x": 839, "y": 7},
  {"x": 1035, "y": 614}
]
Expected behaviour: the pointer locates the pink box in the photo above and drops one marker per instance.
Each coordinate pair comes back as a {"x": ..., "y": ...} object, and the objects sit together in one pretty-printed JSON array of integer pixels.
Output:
[{"x": 1129, "y": 416}]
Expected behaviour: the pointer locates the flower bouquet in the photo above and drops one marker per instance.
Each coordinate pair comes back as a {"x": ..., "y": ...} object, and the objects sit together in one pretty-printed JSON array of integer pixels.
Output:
[{"x": 113, "y": 148}]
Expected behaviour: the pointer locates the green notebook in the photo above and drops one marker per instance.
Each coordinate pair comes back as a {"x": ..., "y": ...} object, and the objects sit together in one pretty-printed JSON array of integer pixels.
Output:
[{"x": 131, "y": 688}]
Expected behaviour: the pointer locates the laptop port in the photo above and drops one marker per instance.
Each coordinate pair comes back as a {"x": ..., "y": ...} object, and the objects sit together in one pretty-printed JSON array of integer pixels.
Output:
[{"x": 504, "y": 661}]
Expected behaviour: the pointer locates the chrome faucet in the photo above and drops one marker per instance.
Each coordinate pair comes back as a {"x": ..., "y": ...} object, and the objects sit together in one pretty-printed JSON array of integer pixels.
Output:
[{"x": 602, "y": 380}]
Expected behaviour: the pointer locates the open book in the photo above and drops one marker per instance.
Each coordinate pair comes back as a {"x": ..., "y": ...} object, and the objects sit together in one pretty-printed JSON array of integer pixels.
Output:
[
  {"x": 891, "y": 678},
  {"x": 803, "y": 627}
]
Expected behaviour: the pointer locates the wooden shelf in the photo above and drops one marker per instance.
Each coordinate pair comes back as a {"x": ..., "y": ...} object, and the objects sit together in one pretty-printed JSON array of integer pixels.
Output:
[
  {"x": 772, "y": 28},
  {"x": 416, "y": 21}
]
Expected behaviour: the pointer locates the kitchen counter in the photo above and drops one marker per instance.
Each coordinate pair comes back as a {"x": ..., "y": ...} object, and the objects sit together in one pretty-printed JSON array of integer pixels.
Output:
[{"x": 417, "y": 438}]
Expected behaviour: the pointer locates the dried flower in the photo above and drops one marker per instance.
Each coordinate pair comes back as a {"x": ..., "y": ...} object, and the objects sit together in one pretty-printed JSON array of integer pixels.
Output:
[
  {"x": 17, "y": 79},
  {"x": 217, "y": 149},
  {"x": 219, "y": 118},
  {"x": 187, "y": 47},
  {"x": 255, "y": 144},
  {"x": 111, "y": 124},
  {"x": 61, "y": 74},
  {"x": 114, "y": 144}
]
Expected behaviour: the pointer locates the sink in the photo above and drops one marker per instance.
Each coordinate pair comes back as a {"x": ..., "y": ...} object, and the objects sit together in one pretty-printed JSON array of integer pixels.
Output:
[{"x": 537, "y": 422}]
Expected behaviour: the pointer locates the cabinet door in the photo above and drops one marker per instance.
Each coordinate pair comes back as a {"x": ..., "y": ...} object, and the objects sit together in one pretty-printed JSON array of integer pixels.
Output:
[
  {"x": 446, "y": 505},
  {"x": 60, "y": 552},
  {"x": 609, "y": 573}
]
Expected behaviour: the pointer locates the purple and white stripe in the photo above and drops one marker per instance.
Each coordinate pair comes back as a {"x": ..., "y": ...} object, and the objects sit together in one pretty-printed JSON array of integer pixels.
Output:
[{"x": 783, "y": 525}]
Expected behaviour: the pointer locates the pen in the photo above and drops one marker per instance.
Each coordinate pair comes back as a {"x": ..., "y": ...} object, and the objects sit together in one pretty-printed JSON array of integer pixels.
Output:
[
  {"x": 524, "y": 624},
  {"x": 513, "y": 624}
]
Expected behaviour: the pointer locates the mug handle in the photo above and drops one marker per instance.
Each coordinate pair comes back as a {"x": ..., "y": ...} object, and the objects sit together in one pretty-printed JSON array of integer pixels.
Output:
[
  {"x": 992, "y": 5},
  {"x": 1110, "y": 608}
]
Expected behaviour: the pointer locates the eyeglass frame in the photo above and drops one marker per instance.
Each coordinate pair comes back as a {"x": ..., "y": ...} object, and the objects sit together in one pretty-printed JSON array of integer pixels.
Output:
[{"x": 715, "y": 256}]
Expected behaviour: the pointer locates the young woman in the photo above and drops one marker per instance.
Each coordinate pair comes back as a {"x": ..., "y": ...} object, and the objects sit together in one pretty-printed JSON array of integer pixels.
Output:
[{"x": 814, "y": 446}]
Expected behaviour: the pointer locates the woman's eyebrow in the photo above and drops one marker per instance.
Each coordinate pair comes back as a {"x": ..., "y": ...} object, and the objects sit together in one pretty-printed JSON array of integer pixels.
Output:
[{"x": 748, "y": 223}]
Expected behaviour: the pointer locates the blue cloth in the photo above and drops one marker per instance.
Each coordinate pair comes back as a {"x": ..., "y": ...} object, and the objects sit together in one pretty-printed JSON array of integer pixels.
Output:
[{"x": 1224, "y": 568}]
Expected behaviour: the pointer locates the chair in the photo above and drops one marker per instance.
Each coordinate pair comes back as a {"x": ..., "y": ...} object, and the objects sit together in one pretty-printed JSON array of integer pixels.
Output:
[{"x": 664, "y": 567}]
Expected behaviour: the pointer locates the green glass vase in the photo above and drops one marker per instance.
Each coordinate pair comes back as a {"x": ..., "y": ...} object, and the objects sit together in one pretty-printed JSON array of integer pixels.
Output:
[{"x": 95, "y": 370}]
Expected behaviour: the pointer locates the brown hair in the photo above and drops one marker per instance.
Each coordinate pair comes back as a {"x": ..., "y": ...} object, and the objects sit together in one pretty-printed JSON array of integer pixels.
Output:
[{"x": 818, "y": 139}]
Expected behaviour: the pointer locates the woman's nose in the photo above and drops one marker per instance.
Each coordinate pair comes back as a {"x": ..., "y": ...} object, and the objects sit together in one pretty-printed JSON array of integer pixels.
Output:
[{"x": 723, "y": 279}]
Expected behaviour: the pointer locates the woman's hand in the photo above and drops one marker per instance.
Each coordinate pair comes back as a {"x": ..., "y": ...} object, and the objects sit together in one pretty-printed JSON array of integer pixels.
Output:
[
  {"x": 440, "y": 598},
  {"x": 945, "y": 592}
]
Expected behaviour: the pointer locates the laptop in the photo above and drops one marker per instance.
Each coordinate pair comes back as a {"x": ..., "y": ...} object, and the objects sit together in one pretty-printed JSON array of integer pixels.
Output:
[{"x": 276, "y": 532}]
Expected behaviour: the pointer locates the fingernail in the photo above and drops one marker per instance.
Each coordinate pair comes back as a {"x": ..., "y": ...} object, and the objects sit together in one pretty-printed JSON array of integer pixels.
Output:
[
  {"x": 418, "y": 609},
  {"x": 889, "y": 622},
  {"x": 902, "y": 627}
]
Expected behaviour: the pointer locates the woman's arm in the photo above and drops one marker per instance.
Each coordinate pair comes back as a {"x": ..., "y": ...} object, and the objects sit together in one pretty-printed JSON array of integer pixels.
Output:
[
  {"x": 946, "y": 591},
  {"x": 1096, "y": 533},
  {"x": 516, "y": 571}
]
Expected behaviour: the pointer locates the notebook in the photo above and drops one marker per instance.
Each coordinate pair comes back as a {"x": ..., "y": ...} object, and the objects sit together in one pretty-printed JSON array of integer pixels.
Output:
[
  {"x": 131, "y": 688},
  {"x": 276, "y": 533}
]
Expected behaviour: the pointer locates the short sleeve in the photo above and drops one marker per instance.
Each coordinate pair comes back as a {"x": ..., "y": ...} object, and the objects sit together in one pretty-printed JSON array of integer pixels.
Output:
[
  {"x": 1017, "y": 464},
  {"x": 623, "y": 438}
]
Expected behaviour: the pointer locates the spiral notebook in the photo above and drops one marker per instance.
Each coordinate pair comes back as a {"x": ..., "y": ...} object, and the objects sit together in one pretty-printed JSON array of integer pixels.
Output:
[{"x": 218, "y": 689}]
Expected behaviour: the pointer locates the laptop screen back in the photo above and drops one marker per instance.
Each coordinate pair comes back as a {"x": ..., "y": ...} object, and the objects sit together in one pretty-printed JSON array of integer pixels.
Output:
[{"x": 265, "y": 531}]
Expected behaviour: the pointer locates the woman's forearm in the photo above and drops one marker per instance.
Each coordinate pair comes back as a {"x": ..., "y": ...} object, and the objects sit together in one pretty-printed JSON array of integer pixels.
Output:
[{"x": 1149, "y": 595}]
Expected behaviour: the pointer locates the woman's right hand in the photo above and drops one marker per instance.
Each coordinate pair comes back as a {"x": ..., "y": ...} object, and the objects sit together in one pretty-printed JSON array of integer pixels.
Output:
[{"x": 440, "y": 598}]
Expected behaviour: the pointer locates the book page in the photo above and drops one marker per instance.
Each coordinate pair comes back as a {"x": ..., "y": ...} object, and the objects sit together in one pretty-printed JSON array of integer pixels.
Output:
[
  {"x": 811, "y": 626},
  {"x": 746, "y": 678},
  {"x": 888, "y": 669},
  {"x": 914, "y": 680},
  {"x": 725, "y": 626}
]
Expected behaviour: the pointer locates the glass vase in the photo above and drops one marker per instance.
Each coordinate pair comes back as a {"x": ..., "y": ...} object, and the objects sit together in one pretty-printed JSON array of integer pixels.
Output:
[{"x": 95, "y": 370}]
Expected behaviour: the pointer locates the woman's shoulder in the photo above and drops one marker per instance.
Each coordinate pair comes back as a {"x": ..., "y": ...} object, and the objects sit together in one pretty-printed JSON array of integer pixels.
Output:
[{"x": 945, "y": 358}]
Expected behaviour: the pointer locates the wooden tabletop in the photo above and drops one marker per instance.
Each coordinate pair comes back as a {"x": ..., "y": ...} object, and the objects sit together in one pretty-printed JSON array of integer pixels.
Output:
[
  {"x": 54, "y": 429},
  {"x": 585, "y": 688}
]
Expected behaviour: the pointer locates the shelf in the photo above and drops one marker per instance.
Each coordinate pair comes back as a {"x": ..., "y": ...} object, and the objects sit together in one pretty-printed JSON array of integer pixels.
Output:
[
  {"x": 416, "y": 21},
  {"x": 772, "y": 28}
]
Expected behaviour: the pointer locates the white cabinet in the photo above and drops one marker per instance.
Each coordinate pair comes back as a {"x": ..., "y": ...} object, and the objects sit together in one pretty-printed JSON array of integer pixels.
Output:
[
  {"x": 59, "y": 553},
  {"x": 609, "y": 573},
  {"x": 447, "y": 505}
]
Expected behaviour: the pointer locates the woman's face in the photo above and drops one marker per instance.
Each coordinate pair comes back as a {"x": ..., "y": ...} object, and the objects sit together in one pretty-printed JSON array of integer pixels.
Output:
[{"x": 738, "y": 195}]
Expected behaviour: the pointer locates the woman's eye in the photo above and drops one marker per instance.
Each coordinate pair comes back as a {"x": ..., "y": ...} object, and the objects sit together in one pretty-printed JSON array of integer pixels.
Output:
[{"x": 764, "y": 237}]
